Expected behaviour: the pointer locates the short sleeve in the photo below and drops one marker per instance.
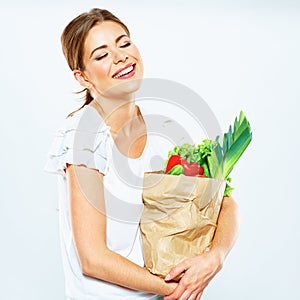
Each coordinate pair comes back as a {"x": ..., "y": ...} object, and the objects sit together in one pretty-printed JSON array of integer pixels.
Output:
[{"x": 83, "y": 140}]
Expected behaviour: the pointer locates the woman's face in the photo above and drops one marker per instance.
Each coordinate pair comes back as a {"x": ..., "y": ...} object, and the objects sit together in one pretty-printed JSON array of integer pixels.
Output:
[{"x": 112, "y": 62}]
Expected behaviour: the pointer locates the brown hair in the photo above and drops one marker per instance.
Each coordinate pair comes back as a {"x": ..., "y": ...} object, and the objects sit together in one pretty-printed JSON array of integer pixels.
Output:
[{"x": 74, "y": 35}]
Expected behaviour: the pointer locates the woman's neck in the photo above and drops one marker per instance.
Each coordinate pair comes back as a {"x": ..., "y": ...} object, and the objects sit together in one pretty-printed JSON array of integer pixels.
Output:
[{"x": 116, "y": 113}]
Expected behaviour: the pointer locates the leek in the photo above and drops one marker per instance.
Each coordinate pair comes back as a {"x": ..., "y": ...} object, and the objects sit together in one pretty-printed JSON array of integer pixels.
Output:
[{"x": 222, "y": 159}]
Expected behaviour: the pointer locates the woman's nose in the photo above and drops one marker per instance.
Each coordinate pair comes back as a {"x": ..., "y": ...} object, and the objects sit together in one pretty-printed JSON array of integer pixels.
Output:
[{"x": 119, "y": 56}]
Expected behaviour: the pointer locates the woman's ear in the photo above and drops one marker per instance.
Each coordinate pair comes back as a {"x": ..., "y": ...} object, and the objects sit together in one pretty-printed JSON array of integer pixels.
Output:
[{"x": 82, "y": 79}]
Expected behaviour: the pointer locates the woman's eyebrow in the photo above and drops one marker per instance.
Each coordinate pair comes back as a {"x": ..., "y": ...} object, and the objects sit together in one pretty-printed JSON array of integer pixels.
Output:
[{"x": 105, "y": 46}]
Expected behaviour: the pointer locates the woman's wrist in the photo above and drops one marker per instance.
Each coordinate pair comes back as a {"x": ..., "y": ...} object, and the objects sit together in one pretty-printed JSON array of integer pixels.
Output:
[
  {"x": 164, "y": 287},
  {"x": 169, "y": 287},
  {"x": 218, "y": 254}
]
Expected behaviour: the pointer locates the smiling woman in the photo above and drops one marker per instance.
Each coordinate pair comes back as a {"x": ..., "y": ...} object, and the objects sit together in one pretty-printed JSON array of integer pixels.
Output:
[
  {"x": 102, "y": 255},
  {"x": 110, "y": 56},
  {"x": 100, "y": 197}
]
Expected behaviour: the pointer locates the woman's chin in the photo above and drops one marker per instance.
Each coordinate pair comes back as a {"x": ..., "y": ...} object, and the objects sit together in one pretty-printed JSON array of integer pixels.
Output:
[{"x": 124, "y": 87}]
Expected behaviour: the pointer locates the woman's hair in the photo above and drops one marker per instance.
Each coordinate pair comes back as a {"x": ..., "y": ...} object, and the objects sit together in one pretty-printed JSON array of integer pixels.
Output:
[{"x": 74, "y": 35}]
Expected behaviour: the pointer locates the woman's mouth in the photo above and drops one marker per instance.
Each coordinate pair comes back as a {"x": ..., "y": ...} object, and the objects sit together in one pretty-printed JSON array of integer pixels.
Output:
[{"x": 125, "y": 72}]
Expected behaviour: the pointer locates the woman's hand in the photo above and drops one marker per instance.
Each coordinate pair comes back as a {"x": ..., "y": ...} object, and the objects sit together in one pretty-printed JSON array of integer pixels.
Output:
[{"x": 198, "y": 272}]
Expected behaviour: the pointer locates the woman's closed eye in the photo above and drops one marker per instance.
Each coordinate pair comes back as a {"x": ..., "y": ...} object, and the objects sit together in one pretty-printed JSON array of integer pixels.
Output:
[
  {"x": 125, "y": 45},
  {"x": 99, "y": 57}
]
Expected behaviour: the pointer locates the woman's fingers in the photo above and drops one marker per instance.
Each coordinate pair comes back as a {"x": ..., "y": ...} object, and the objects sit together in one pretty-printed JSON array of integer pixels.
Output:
[
  {"x": 177, "y": 270},
  {"x": 176, "y": 294},
  {"x": 186, "y": 295},
  {"x": 193, "y": 296}
]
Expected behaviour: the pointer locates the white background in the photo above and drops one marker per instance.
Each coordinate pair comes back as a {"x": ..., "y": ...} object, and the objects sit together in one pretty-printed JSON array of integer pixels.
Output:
[{"x": 234, "y": 54}]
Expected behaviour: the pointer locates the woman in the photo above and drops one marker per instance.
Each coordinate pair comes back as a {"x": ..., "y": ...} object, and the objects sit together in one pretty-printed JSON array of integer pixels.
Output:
[{"x": 101, "y": 245}]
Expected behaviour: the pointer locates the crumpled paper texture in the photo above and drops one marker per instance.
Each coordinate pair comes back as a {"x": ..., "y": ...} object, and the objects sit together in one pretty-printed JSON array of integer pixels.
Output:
[{"x": 179, "y": 218}]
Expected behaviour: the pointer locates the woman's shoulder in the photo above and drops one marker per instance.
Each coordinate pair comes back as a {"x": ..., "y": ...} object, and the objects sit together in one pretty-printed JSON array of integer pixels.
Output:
[
  {"x": 83, "y": 139},
  {"x": 86, "y": 119}
]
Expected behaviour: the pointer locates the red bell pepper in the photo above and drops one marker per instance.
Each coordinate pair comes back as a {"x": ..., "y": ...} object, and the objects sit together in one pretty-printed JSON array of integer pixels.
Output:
[
  {"x": 172, "y": 162},
  {"x": 190, "y": 169},
  {"x": 201, "y": 170}
]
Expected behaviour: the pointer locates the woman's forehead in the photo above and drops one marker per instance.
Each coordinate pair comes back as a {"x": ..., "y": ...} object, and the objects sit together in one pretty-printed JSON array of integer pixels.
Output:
[{"x": 106, "y": 31}]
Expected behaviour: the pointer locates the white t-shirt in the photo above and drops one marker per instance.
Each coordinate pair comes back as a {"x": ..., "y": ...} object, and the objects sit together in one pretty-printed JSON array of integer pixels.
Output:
[{"x": 85, "y": 139}]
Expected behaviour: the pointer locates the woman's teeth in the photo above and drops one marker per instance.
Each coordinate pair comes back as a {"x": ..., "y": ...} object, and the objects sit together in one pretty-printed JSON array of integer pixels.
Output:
[{"x": 124, "y": 72}]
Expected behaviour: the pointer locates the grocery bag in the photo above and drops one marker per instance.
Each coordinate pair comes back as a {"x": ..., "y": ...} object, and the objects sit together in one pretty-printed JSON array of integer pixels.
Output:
[{"x": 179, "y": 218}]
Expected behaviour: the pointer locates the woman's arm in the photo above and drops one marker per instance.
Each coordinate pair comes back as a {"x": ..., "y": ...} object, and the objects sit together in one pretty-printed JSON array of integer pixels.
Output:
[
  {"x": 85, "y": 187},
  {"x": 227, "y": 229},
  {"x": 200, "y": 270}
]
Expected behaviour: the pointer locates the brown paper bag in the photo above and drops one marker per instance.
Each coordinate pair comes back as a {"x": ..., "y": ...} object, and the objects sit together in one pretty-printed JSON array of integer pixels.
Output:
[{"x": 179, "y": 218}]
